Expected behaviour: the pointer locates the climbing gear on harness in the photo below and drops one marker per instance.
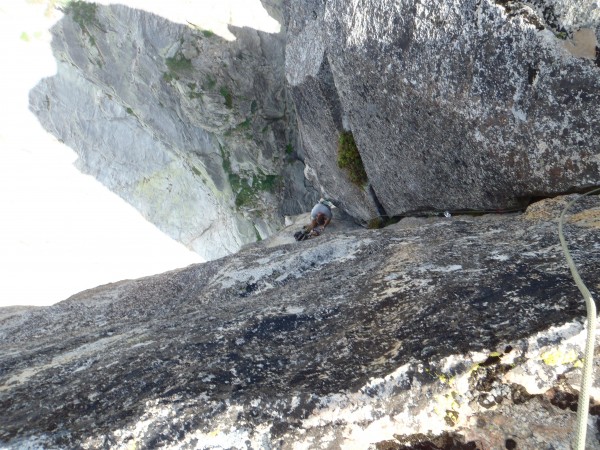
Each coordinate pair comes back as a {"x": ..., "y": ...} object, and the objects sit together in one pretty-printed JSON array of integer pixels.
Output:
[{"x": 301, "y": 235}]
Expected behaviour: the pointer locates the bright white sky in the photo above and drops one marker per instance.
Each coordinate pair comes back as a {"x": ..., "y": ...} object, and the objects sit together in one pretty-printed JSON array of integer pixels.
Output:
[{"x": 60, "y": 231}]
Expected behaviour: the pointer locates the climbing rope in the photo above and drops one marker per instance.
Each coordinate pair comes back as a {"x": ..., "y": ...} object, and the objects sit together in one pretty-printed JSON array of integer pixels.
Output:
[{"x": 583, "y": 403}]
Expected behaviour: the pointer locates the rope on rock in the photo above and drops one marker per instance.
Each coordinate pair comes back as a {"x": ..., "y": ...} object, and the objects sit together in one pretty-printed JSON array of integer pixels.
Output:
[{"x": 586, "y": 381}]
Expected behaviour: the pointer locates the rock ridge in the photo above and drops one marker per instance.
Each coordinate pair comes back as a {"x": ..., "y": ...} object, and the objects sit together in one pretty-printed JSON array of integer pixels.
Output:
[{"x": 467, "y": 329}]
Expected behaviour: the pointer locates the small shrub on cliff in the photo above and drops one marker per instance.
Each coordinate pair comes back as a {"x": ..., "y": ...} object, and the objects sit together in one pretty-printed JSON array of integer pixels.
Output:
[
  {"x": 375, "y": 223},
  {"x": 83, "y": 13},
  {"x": 349, "y": 159},
  {"x": 210, "y": 82},
  {"x": 178, "y": 63},
  {"x": 268, "y": 183},
  {"x": 227, "y": 96}
]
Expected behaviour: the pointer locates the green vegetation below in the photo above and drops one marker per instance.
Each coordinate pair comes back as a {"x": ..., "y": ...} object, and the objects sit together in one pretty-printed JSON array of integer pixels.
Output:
[
  {"x": 83, "y": 13},
  {"x": 227, "y": 96},
  {"x": 178, "y": 63},
  {"x": 247, "y": 188},
  {"x": 382, "y": 222},
  {"x": 210, "y": 83},
  {"x": 350, "y": 160}
]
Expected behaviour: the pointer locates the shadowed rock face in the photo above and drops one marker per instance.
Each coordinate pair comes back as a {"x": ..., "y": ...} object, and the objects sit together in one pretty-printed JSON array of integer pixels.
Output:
[
  {"x": 453, "y": 105},
  {"x": 427, "y": 328},
  {"x": 189, "y": 128}
]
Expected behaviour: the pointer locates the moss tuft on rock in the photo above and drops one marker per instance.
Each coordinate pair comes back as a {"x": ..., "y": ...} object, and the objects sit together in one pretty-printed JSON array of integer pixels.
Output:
[
  {"x": 83, "y": 13},
  {"x": 349, "y": 159}
]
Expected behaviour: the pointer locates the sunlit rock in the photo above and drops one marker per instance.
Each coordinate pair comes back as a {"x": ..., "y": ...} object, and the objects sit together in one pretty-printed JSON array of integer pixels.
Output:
[{"x": 442, "y": 330}]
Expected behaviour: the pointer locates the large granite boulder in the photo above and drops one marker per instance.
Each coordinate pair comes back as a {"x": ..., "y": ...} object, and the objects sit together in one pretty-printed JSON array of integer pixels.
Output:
[
  {"x": 454, "y": 105},
  {"x": 193, "y": 130},
  {"x": 460, "y": 332}
]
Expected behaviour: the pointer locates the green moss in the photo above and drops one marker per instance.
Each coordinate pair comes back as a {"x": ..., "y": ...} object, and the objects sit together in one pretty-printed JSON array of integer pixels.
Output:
[
  {"x": 178, "y": 63},
  {"x": 561, "y": 35},
  {"x": 375, "y": 223},
  {"x": 208, "y": 33},
  {"x": 258, "y": 237},
  {"x": 225, "y": 160},
  {"x": 210, "y": 82},
  {"x": 382, "y": 222},
  {"x": 83, "y": 13},
  {"x": 130, "y": 111},
  {"x": 246, "y": 192},
  {"x": 204, "y": 180},
  {"x": 245, "y": 195},
  {"x": 289, "y": 149},
  {"x": 244, "y": 125},
  {"x": 253, "y": 106},
  {"x": 350, "y": 160},
  {"x": 267, "y": 183},
  {"x": 170, "y": 76},
  {"x": 227, "y": 96}
]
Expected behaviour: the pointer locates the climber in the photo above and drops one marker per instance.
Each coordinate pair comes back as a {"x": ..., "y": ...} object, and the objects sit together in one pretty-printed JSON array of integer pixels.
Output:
[{"x": 320, "y": 217}]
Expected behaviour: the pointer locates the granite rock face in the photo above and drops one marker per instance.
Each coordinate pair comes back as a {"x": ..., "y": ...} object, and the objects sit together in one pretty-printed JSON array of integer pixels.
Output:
[
  {"x": 453, "y": 331},
  {"x": 189, "y": 128},
  {"x": 454, "y": 105}
]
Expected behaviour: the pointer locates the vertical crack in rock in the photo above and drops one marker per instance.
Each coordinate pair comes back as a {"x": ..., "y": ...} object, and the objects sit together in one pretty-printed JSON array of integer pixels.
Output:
[{"x": 459, "y": 106}]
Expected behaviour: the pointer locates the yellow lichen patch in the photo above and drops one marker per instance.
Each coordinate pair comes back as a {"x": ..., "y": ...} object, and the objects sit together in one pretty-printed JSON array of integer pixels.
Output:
[
  {"x": 447, "y": 408},
  {"x": 557, "y": 357},
  {"x": 444, "y": 379},
  {"x": 589, "y": 218}
]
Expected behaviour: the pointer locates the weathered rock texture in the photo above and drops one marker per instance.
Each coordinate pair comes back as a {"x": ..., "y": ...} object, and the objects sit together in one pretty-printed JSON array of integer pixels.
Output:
[
  {"x": 460, "y": 330},
  {"x": 189, "y": 128},
  {"x": 454, "y": 105}
]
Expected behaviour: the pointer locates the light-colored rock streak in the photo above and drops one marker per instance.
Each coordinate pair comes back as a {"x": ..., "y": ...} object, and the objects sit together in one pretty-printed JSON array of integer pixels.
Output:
[{"x": 84, "y": 351}]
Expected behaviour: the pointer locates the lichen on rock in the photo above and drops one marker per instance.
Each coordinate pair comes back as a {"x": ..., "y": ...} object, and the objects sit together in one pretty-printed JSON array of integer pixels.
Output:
[
  {"x": 150, "y": 106},
  {"x": 454, "y": 105},
  {"x": 465, "y": 330}
]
